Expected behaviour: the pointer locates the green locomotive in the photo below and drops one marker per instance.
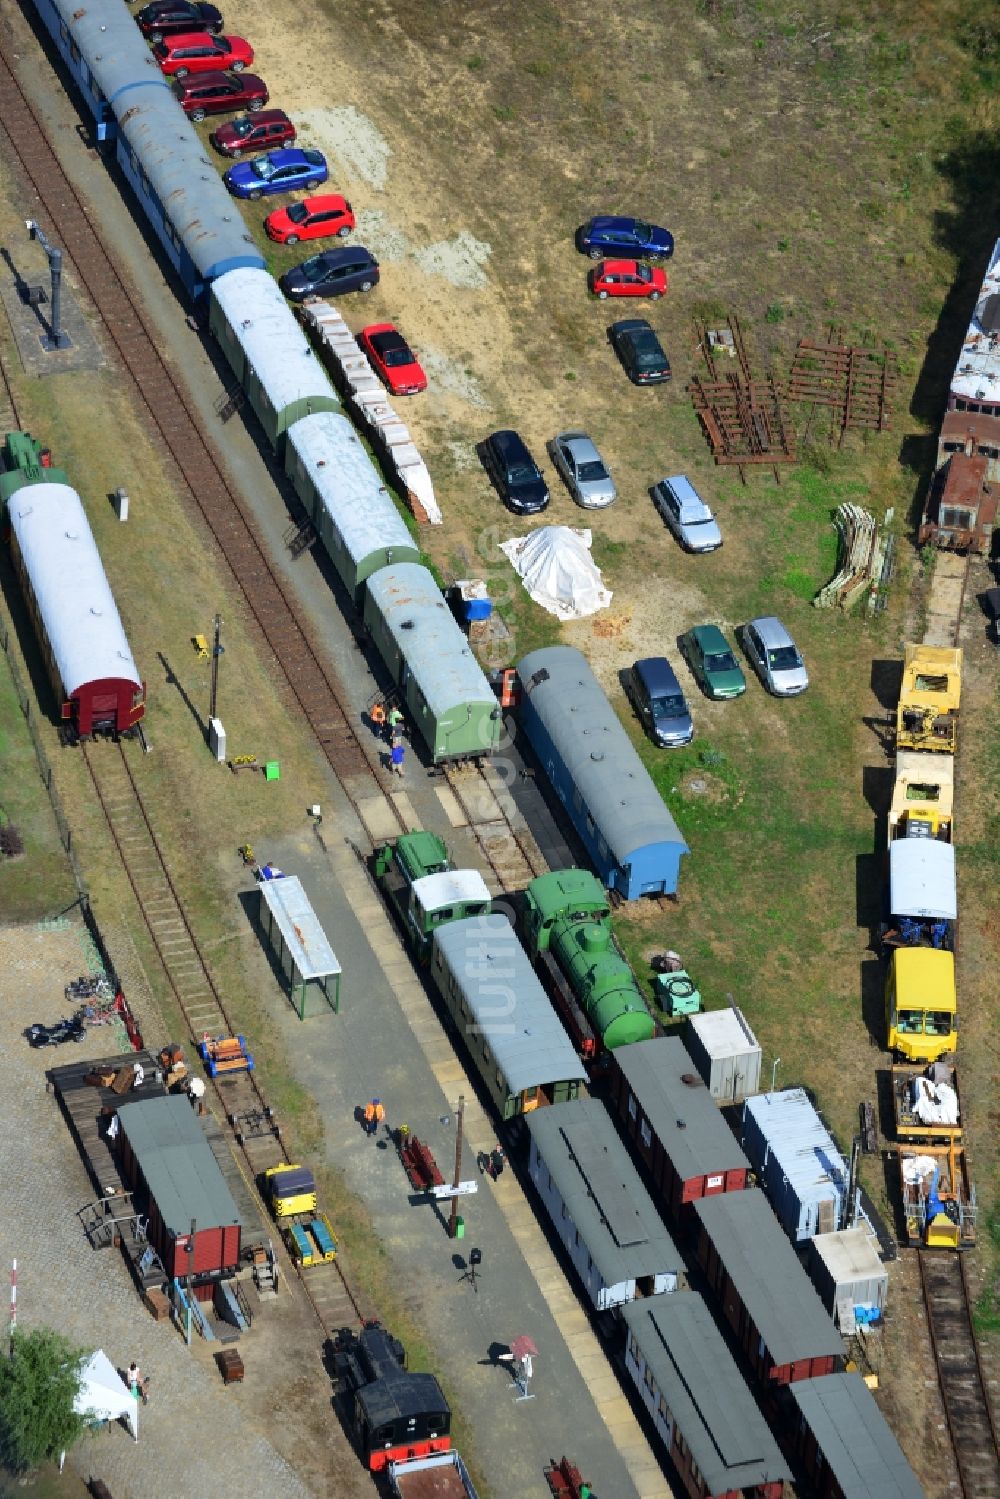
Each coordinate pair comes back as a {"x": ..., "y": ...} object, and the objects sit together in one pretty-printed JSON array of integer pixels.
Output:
[
  {"x": 425, "y": 889},
  {"x": 566, "y": 925}
]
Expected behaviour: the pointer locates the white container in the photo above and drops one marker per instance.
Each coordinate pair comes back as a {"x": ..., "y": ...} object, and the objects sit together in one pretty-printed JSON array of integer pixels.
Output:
[{"x": 726, "y": 1053}]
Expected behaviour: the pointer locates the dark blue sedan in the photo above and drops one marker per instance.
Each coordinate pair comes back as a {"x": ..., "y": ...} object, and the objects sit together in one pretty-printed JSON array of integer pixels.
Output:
[
  {"x": 606, "y": 235},
  {"x": 281, "y": 171}
]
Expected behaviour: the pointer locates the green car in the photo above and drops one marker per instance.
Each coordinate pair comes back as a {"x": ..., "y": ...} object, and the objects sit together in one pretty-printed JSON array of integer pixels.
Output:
[{"x": 711, "y": 659}]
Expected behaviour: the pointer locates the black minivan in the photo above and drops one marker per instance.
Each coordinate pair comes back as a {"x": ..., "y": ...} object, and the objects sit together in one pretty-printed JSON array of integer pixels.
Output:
[
  {"x": 330, "y": 272},
  {"x": 659, "y": 701},
  {"x": 515, "y": 473}
]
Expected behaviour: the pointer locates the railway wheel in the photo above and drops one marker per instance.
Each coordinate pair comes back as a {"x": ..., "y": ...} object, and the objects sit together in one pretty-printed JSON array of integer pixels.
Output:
[{"x": 255, "y": 194}]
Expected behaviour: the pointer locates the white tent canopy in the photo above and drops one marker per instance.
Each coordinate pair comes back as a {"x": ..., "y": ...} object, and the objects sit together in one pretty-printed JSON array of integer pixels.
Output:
[
  {"x": 104, "y": 1395},
  {"x": 556, "y": 568}
]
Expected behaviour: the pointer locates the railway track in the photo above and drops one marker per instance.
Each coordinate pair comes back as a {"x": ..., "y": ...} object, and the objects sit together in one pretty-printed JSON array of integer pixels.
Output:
[
  {"x": 512, "y": 855},
  {"x": 960, "y": 1375},
  {"x": 250, "y": 1119}
]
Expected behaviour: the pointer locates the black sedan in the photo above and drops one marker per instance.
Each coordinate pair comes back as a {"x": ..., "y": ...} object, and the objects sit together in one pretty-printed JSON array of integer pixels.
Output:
[
  {"x": 640, "y": 351},
  {"x": 332, "y": 271},
  {"x": 515, "y": 473},
  {"x": 170, "y": 17}
]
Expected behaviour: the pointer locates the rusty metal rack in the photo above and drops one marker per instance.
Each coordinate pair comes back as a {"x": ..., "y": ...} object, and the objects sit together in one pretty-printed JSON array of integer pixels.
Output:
[
  {"x": 740, "y": 413},
  {"x": 858, "y": 383}
]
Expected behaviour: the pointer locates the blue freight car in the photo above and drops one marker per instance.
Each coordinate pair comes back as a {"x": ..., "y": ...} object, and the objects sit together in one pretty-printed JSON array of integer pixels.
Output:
[
  {"x": 133, "y": 108},
  {"x": 608, "y": 794}
]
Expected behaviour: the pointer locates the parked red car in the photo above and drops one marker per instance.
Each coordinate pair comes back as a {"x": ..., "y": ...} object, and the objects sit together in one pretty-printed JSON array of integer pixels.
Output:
[
  {"x": 200, "y": 52},
  {"x": 314, "y": 218},
  {"x": 259, "y": 132},
  {"x": 627, "y": 278},
  {"x": 220, "y": 94},
  {"x": 393, "y": 359}
]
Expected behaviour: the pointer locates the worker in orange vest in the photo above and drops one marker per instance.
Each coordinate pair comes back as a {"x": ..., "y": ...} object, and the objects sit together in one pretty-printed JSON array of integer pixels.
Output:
[
  {"x": 374, "y": 1114},
  {"x": 378, "y": 718}
]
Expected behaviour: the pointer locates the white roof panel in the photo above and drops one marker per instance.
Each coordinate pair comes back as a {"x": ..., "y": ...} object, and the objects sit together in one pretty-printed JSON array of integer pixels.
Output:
[
  {"x": 451, "y": 887},
  {"x": 73, "y": 596},
  {"x": 299, "y": 925},
  {"x": 349, "y": 486},
  {"x": 977, "y": 374},
  {"x": 274, "y": 344},
  {"x": 724, "y": 1033},
  {"x": 922, "y": 879}
]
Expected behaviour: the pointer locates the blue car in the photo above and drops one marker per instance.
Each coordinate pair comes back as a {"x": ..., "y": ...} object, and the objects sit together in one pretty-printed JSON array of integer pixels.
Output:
[
  {"x": 608, "y": 236},
  {"x": 281, "y": 171}
]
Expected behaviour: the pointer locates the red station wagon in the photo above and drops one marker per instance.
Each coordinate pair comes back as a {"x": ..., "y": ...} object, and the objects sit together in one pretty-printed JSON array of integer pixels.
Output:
[
  {"x": 627, "y": 278},
  {"x": 259, "y": 132},
  {"x": 314, "y": 218},
  {"x": 220, "y": 94},
  {"x": 200, "y": 52}
]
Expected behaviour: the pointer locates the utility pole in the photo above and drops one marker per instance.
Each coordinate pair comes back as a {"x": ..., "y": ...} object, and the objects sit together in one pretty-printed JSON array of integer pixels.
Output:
[
  {"x": 56, "y": 338},
  {"x": 217, "y": 650},
  {"x": 459, "y": 1119}
]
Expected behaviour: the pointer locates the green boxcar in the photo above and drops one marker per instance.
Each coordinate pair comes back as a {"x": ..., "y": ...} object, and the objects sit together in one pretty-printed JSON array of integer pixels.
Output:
[
  {"x": 449, "y": 699},
  {"x": 511, "y": 1032},
  {"x": 425, "y": 889},
  {"x": 567, "y": 925},
  {"x": 271, "y": 357},
  {"x": 346, "y": 499}
]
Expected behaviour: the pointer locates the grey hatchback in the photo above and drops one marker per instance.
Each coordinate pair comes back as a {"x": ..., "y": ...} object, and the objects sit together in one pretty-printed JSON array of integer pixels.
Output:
[
  {"x": 331, "y": 272},
  {"x": 775, "y": 657},
  {"x": 659, "y": 701}
]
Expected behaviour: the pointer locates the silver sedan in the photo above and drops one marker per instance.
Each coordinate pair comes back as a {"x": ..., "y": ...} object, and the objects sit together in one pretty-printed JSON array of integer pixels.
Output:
[{"x": 583, "y": 469}]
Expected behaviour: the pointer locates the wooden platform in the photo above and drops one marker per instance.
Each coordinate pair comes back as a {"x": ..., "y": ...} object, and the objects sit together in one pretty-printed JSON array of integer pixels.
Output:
[{"x": 88, "y": 1111}]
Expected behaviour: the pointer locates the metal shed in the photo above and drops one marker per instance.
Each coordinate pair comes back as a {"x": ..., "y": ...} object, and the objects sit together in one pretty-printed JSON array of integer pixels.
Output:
[
  {"x": 273, "y": 360},
  {"x": 598, "y": 1206},
  {"x": 726, "y": 1053},
  {"x": 185, "y": 200},
  {"x": 797, "y": 1162},
  {"x": 848, "y": 1274},
  {"x": 194, "y": 1224},
  {"x": 346, "y": 499},
  {"x": 765, "y": 1294},
  {"x": 674, "y": 1124},
  {"x": 506, "y": 1019},
  {"x": 595, "y": 770},
  {"x": 449, "y": 698},
  {"x": 702, "y": 1410},
  {"x": 845, "y": 1445},
  {"x": 300, "y": 945},
  {"x": 87, "y": 650}
]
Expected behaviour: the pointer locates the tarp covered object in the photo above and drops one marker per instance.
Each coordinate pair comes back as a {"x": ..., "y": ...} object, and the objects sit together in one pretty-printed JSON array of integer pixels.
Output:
[
  {"x": 104, "y": 1395},
  {"x": 556, "y": 568}
]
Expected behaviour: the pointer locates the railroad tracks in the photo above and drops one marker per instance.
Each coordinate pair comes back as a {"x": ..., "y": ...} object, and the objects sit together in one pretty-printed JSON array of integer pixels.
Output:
[
  {"x": 960, "y": 1374},
  {"x": 333, "y": 1301},
  {"x": 512, "y": 855}
]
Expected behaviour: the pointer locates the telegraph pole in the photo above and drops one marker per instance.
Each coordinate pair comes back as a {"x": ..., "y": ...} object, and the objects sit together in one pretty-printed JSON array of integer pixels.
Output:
[
  {"x": 217, "y": 650},
  {"x": 459, "y": 1119}
]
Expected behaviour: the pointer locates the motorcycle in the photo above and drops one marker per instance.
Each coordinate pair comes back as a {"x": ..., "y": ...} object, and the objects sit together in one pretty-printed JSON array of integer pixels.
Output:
[{"x": 72, "y": 1028}]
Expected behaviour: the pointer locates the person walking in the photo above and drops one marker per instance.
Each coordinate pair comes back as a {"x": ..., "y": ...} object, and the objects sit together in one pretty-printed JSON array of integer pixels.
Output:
[
  {"x": 134, "y": 1380},
  {"x": 497, "y": 1161},
  {"x": 394, "y": 722},
  {"x": 374, "y": 1114},
  {"x": 378, "y": 718},
  {"x": 396, "y": 757}
]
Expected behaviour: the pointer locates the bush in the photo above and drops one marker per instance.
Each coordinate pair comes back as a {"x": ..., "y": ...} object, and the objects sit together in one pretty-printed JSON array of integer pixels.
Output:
[
  {"x": 11, "y": 842},
  {"x": 38, "y": 1385}
]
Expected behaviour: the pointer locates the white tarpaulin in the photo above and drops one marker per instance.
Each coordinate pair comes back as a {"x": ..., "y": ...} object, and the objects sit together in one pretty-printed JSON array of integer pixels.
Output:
[
  {"x": 556, "y": 567},
  {"x": 104, "y": 1395}
]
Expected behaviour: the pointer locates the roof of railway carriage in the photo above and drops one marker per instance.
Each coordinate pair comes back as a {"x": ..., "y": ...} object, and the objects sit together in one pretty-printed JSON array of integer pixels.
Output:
[
  {"x": 714, "y": 1411},
  {"x": 507, "y": 1003},
  {"x": 275, "y": 346},
  {"x": 857, "y": 1444},
  {"x": 349, "y": 486},
  {"x": 111, "y": 44},
  {"x": 681, "y": 1111},
  {"x": 604, "y": 765},
  {"x": 70, "y": 586},
  {"x": 438, "y": 655}
]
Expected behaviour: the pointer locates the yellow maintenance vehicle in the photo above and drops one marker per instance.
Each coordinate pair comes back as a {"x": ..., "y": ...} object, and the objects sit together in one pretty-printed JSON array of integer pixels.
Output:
[
  {"x": 291, "y": 1191},
  {"x": 939, "y": 1201},
  {"x": 921, "y": 1003},
  {"x": 923, "y": 797},
  {"x": 927, "y": 716}
]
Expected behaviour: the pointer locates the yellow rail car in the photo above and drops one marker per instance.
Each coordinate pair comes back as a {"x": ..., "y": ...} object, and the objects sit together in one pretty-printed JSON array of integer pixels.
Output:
[{"x": 927, "y": 716}]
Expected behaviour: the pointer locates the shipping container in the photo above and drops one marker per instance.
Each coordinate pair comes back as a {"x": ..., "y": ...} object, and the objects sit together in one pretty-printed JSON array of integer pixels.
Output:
[
  {"x": 194, "y": 1224},
  {"x": 726, "y": 1053},
  {"x": 764, "y": 1293},
  {"x": 797, "y": 1163},
  {"x": 848, "y": 1274},
  {"x": 674, "y": 1124}
]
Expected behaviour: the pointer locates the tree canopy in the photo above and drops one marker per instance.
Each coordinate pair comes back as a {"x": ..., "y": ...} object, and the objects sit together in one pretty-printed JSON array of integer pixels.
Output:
[{"x": 38, "y": 1384}]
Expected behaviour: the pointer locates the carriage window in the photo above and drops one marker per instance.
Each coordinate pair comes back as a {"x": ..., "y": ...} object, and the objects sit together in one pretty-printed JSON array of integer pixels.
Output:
[
  {"x": 631, "y": 1106},
  {"x": 645, "y": 1133},
  {"x": 74, "y": 52},
  {"x": 633, "y": 1347}
]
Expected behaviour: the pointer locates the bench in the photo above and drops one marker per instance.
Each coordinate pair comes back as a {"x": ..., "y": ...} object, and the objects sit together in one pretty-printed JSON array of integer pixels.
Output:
[{"x": 420, "y": 1165}]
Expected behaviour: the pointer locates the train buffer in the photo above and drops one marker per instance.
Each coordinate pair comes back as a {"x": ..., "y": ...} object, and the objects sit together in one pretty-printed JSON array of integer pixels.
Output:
[
  {"x": 566, "y": 1481},
  {"x": 419, "y": 1165},
  {"x": 225, "y": 1054}
]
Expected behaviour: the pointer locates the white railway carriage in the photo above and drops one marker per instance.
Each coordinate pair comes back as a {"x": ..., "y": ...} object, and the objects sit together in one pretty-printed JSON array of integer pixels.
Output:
[{"x": 95, "y": 678}]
